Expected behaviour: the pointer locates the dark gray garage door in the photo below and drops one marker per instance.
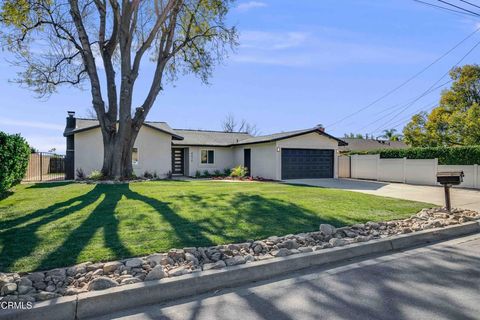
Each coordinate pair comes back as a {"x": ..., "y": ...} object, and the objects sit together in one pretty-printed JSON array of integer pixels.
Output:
[{"x": 307, "y": 163}]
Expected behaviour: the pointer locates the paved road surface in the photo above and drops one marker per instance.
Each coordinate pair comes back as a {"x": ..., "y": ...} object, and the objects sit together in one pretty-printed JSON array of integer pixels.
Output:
[
  {"x": 440, "y": 281},
  {"x": 461, "y": 198}
]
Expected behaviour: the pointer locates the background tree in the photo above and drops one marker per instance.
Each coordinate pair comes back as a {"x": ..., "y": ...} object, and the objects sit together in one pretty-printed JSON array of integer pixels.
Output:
[
  {"x": 60, "y": 42},
  {"x": 456, "y": 120},
  {"x": 353, "y": 135},
  {"x": 230, "y": 124},
  {"x": 391, "y": 135}
]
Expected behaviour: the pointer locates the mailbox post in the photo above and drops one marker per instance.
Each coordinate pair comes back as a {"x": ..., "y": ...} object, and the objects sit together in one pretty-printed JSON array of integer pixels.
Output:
[{"x": 447, "y": 179}]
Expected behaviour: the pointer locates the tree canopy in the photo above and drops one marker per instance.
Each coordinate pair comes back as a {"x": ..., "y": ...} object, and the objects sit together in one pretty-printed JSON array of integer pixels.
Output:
[
  {"x": 456, "y": 120},
  {"x": 105, "y": 44}
]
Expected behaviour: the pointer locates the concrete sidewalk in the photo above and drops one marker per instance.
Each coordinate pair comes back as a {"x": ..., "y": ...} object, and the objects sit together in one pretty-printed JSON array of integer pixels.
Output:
[
  {"x": 461, "y": 198},
  {"x": 440, "y": 281}
]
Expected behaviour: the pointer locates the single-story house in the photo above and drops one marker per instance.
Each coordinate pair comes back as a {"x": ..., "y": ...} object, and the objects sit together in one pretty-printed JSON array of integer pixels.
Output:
[
  {"x": 356, "y": 144},
  {"x": 308, "y": 153}
]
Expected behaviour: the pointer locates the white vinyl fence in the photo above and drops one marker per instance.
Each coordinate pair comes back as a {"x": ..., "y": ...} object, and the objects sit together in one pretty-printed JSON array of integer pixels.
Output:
[{"x": 412, "y": 171}]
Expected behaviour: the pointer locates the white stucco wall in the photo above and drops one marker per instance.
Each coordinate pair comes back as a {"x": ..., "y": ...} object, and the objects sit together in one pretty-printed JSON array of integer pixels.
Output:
[
  {"x": 308, "y": 141},
  {"x": 223, "y": 159},
  {"x": 262, "y": 158},
  {"x": 154, "y": 150}
]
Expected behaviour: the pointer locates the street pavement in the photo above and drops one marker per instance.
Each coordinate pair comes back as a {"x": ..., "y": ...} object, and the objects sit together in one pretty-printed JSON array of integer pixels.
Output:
[{"x": 440, "y": 281}]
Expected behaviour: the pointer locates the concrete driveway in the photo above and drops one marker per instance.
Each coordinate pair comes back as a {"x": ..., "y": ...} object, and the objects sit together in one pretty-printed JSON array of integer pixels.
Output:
[{"x": 461, "y": 198}]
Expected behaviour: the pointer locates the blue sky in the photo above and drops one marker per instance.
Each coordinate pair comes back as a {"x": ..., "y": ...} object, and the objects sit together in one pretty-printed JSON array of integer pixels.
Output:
[{"x": 300, "y": 63}]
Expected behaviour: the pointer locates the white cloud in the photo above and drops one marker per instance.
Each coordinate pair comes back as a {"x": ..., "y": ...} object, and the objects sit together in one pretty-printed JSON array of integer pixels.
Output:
[
  {"x": 322, "y": 48},
  {"x": 246, "y": 6},
  {"x": 31, "y": 124},
  {"x": 272, "y": 40}
]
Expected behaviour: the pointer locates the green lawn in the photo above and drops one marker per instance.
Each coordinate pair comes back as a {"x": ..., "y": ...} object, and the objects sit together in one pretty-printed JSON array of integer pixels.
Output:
[{"x": 59, "y": 224}]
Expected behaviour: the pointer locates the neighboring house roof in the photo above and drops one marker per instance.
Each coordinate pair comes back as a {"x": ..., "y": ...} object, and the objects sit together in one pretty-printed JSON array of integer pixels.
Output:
[
  {"x": 88, "y": 124},
  {"x": 286, "y": 135},
  {"x": 209, "y": 138},
  {"x": 355, "y": 144}
]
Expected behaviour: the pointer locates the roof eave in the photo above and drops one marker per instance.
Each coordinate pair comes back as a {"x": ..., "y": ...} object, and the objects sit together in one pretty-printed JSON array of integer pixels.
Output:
[
  {"x": 340, "y": 142},
  {"x": 75, "y": 131}
]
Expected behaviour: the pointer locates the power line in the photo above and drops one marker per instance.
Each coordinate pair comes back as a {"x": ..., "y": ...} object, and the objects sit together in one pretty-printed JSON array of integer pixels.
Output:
[
  {"x": 407, "y": 81},
  {"x": 392, "y": 111},
  {"x": 472, "y": 4},
  {"x": 428, "y": 107},
  {"x": 444, "y": 8},
  {"x": 458, "y": 7},
  {"x": 426, "y": 92}
]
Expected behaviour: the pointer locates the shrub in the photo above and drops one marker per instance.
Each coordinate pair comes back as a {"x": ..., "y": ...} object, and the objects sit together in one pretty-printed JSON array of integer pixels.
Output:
[
  {"x": 217, "y": 173},
  {"x": 169, "y": 175},
  {"x": 227, "y": 171},
  {"x": 147, "y": 175},
  {"x": 96, "y": 175},
  {"x": 206, "y": 173},
  {"x": 446, "y": 155},
  {"x": 80, "y": 174},
  {"x": 238, "y": 172},
  {"x": 198, "y": 174},
  {"x": 14, "y": 156}
]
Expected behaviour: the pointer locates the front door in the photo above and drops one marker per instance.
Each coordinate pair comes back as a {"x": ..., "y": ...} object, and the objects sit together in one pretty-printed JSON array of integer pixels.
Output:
[
  {"x": 178, "y": 161},
  {"x": 247, "y": 163}
]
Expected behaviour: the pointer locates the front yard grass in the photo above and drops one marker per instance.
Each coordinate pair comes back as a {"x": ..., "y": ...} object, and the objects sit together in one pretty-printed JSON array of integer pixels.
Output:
[{"x": 51, "y": 225}]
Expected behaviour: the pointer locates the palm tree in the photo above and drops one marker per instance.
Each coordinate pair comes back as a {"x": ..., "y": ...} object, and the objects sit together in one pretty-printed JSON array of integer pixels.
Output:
[{"x": 391, "y": 135}]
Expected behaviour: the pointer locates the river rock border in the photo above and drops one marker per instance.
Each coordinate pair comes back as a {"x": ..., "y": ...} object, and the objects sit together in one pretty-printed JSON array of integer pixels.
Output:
[{"x": 88, "y": 276}]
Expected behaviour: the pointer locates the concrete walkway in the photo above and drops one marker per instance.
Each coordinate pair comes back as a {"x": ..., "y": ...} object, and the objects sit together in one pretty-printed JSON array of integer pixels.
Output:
[
  {"x": 461, "y": 198},
  {"x": 440, "y": 281}
]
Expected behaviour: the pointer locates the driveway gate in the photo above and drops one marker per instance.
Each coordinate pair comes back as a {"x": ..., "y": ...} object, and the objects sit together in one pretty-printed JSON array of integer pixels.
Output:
[{"x": 45, "y": 166}]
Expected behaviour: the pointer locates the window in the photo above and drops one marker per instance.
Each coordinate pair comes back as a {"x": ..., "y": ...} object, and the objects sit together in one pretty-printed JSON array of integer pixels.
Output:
[
  {"x": 207, "y": 156},
  {"x": 134, "y": 156}
]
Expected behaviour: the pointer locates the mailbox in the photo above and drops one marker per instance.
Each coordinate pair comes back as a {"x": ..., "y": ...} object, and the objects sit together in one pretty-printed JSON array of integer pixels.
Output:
[{"x": 450, "y": 178}]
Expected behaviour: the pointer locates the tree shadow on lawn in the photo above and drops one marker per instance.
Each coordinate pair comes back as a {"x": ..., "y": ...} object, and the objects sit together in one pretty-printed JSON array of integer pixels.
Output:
[
  {"x": 252, "y": 216},
  {"x": 49, "y": 184}
]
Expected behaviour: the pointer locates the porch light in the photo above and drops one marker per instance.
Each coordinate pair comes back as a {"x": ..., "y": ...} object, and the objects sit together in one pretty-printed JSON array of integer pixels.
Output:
[{"x": 278, "y": 149}]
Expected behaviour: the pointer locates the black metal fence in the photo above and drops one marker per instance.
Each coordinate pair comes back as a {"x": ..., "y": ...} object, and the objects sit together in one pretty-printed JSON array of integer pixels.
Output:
[{"x": 45, "y": 166}]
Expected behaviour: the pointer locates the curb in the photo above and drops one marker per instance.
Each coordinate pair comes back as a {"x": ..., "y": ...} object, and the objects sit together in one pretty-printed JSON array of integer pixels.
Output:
[{"x": 98, "y": 303}]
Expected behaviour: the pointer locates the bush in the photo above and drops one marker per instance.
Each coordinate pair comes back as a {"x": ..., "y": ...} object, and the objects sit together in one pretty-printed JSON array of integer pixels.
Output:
[
  {"x": 217, "y": 173},
  {"x": 446, "y": 155},
  {"x": 14, "y": 156},
  {"x": 206, "y": 173},
  {"x": 198, "y": 174},
  {"x": 226, "y": 172},
  {"x": 239, "y": 172},
  {"x": 96, "y": 175},
  {"x": 80, "y": 174},
  {"x": 148, "y": 175}
]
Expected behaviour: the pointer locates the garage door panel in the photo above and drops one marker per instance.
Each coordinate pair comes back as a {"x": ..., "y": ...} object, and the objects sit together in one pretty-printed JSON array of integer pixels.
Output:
[{"x": 307, "y": 163}]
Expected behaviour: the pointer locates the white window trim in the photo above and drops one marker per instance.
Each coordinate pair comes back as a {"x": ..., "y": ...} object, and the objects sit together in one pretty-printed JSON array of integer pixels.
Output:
[
  {"x": 207, "y": 163},
  {"x": 138, "y": 157}
]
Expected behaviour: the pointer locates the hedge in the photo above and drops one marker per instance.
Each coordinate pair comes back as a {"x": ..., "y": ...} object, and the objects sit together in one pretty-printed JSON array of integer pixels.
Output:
[
  {"x": 14, "y": 155},
  {"x": 446, "y": 155}
]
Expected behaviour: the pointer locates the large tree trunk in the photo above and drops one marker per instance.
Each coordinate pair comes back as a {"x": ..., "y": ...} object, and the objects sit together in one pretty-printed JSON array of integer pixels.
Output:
[{"x": 117, "y": 155}]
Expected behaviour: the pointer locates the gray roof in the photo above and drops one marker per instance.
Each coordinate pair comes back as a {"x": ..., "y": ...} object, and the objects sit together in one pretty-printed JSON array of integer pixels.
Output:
[
  {"x": 355, "y": 144},
  {"x": 87, "y": 124},
  {"x": 209, "y": 138},
  {"x": 285, "y": 135},
  {"x": 205, "y": 137}
]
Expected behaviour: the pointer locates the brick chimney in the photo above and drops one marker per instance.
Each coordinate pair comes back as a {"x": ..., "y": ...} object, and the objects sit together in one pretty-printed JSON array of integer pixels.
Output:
[{"x": 70, "y": 153}]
